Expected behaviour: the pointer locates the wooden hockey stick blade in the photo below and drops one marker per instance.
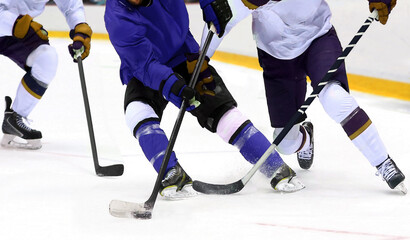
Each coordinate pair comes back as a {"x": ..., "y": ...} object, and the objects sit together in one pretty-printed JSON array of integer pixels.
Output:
[
  {"x": 112, "y": 170},
  {"x": 123, "y": 209}
]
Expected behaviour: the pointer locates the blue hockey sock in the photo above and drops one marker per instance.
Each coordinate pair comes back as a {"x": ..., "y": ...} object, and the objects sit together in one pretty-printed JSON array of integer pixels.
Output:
[
  {"x": 252, "y": 144},
  {"x": 154, "y": 142}
]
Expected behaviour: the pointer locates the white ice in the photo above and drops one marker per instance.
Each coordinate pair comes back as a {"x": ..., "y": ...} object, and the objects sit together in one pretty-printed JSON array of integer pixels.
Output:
[{"x": 53, "y": 193}]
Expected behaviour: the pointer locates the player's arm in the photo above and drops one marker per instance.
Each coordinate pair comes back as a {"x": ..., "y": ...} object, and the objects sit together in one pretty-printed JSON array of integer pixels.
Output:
[
  {"x": 7, "y": 22},
  {"x": 80, "y": 33},
  {"x": 137, "y": 52}
]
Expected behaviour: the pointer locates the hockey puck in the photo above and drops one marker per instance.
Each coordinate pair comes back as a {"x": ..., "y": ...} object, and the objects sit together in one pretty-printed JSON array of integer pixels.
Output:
[{"x": 142, "y": 214}]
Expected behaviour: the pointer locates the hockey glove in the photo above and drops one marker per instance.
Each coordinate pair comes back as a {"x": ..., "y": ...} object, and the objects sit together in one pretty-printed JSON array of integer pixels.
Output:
[
  {"x": 254, "y": 4},
  {"x": 384, "y": 8},
  {"x": 175, "y": 90},
  {"x": 206, "y": 83},
  {"x": 81, "y": 36},
  {"x": 216, "y": 12},
  {"x": 25, "y": 28}
]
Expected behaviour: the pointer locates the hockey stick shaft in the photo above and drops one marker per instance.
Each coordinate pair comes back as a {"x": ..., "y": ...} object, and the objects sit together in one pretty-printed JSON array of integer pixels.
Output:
[
  {"x": 238, "y": 185},
  {"x": 113, "y": 170},
  {"x": 149, "y": 204}
]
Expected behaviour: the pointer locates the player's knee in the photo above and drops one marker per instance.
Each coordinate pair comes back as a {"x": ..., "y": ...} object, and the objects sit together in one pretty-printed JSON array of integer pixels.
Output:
[
  {"x": 337, "y": 102},
  {"x": 138, "y": 113},
  {"x": 291, "y": 142},
  {"x": 43, "y": 62},
  {"x": 230, "y": 124}
]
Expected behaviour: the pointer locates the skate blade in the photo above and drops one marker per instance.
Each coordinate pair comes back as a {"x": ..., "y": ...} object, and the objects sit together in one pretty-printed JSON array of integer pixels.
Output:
[
  {"x": 12, "y": 141},
  {"x": 401, "y": 187},
  {"x": 286, "y": 186},
  {"x": 170, "y": 193},
  {"x": 123, "y": 209}
]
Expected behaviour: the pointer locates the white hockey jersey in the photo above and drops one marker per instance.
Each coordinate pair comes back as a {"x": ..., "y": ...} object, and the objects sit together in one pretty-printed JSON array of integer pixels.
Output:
[
  {"x": 73, "y": 11},
  {"x": 284, "y": 29}
]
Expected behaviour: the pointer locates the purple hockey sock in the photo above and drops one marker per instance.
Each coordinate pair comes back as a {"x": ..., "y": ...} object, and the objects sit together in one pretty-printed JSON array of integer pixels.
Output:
[
  {"x": 154, "y": 142},
  {"x": 252, "y": 144}
]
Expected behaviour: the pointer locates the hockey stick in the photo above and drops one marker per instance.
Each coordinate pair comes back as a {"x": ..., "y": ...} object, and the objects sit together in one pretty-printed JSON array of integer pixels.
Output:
[
  {"x": 237, "y": 186},
  {"x": 144, "y": 211},
  {"x": 112, "y": 170}
]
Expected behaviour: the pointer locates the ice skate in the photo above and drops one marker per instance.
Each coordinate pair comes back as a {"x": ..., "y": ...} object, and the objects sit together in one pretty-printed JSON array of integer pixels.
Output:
[
  {"x": 285, "y": 180},
  {"x": 16, "y": 133},
  {"x": 305, "y": 158},
  {"x": 177, "y": 184},
  {"x": 390, "y": 173}
]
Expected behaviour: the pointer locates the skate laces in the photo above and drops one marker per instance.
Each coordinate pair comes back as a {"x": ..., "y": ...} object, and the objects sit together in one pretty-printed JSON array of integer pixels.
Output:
[
  {"x": 175, "y": 177},
  {"x": 387, "y": 170},
  {"x": 306, "y": 154},
  {"x": 283, "y": 172},
  {"x": 170, "y": 174},
  {"x": 21, "y": 122}
]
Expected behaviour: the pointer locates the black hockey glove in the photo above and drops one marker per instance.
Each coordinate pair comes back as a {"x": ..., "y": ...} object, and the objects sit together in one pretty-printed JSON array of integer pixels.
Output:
[
  {"x": 175, "y": 90},
  {"x": 216, "y": 12}
]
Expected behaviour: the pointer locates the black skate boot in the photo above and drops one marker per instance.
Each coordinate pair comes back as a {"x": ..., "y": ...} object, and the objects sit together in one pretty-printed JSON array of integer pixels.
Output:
[
  {"x": 176, "y": 184},
  {"x": 285, "y": 180},
  {"x": 392, "y": 175},
  {"x": 16, "y": 133},
  {"x": 305, "y": 158}
]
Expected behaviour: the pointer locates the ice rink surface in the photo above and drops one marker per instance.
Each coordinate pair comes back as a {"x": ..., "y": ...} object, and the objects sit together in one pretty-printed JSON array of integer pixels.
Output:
[{"x": 53, "y": 193}]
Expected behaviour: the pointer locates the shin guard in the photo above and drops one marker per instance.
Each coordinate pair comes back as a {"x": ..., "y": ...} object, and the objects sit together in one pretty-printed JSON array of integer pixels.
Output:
[
  {"x": 154, "y": 142},
  {"x": 364, "y": 135},
  {"x": 252, "y": 144},
  {"x": 237, "y": 130},
  {"x": 344, "y": 109},
  {"x": 29, "y": 93}
]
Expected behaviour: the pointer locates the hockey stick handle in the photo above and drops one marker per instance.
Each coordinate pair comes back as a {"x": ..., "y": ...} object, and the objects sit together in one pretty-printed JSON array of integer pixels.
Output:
[
  {"x": 149, "y": 204},
  {"x": 111, "y": 170},
  {"x": 313, "y": 95},
  {"x": 88, "y": 113}
]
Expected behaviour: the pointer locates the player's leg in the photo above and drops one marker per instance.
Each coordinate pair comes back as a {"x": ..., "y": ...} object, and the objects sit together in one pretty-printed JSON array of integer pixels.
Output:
[
  {"x": 219, "y": 114},
  {"x": 285, "y": 88},
  {"x": 143, "y": 112},
  {"x": 39, "y": 60},
  {"x": 237, "y": 130},
  {"x": 343, "y": 109}
]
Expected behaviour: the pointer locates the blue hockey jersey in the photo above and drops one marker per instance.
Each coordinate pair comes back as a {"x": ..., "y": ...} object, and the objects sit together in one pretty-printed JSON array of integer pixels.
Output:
[{"x": 150, "y": 41}]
